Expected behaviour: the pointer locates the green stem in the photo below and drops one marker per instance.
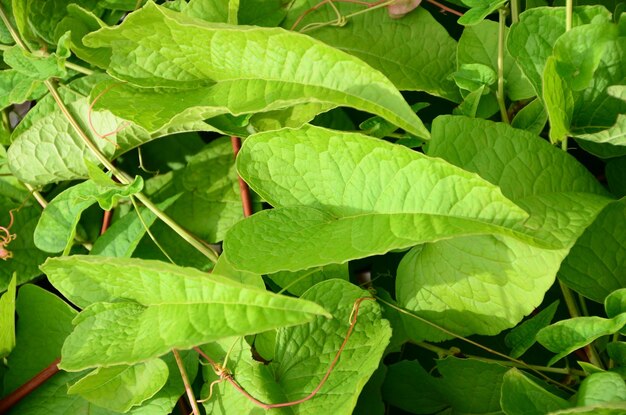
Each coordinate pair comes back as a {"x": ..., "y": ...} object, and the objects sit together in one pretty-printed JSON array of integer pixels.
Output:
[
  {"x": 500, "y": 93},
  {"x": 183, "y": 373},
  {"x": 514, "y": 11},
  {"x": 445, "y": 352},
  {"x": 121, "y": 176},
  {"x": 569, "y": 11},
  {"x": 472, "y": 342}
]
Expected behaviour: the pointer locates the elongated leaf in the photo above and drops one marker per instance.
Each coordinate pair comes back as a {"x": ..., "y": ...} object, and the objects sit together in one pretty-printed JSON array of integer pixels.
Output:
[
  {"x": 522, "y": 396},
  {"x": 596, "y": 264},
  {"x": 119, "y": 388},
  {"x": 522, "y": 337},
  {"x": 559, "y": 102},
  {"x": 156, "y": 297},
  {"x": 303, "y": 355},
  {"x": 57, "y": 224},
  {"x": 566, "y": 336},
  {"x": 7, "y": 319},
  {"x": 257, "y": 69},
  {"x": 46, "y": 148},
  {"x": 350, "y": 195},
  {"x": 602, "y": 388},
  {"x": 416, "y": 52}
]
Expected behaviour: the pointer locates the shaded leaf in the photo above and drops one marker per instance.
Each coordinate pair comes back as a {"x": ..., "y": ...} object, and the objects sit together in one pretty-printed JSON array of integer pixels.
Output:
[
  {"x": 522, "y": 337},
  {"x": 522, "y": 396},
  {"x": 409, "y": 387}
]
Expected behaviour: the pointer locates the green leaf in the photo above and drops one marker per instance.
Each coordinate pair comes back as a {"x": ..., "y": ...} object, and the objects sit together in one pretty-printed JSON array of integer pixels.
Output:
[
  {"x": 46, "y": 148},
  {"x": 36, "y": 67},
  {"x": 479, "y": 44},
  {"x": 43, "y": 18},
  {"x": 522, "y": 337},
  {"x": 566, "y": 336},
  {"x": 479, "y": 10},
  {"x": 267, "y": 13},
  {"x": 7, "y": 320},
  {"x": 26, "y": 257},
  {"x": 44, "y": 322},
  {"x": 57, "y": 225},
  {"x": 15, "y": 87},
  {"x": 601, "y": 388},
  {"x": 596, "y": 264},
  {"x": 409, "y": 387},
  {"x": 615, "y": 303},
  {"x": 298, "y": 282},
  {"x": 522, "y": 396},
  {"x": 532, "y": 39},
  {"x": 616, "y": 133},
  {"x": 472, "y": 76},
  {"x": 617, "y": 352},
  {"x": 532, "y": 117},
  {"x": 559, "y": 101},
  {"x": 79, "y": 22},
  {"x": 407, "y": 201},
  {"x": 158, "y": 297},
  {"x": 244, "y": 68},
  {"x": 119, "y": 388},
  {"x": 303, "y": 355},
  {"x": 606, "y": 409},
  {"x": 416, "y": 52}
]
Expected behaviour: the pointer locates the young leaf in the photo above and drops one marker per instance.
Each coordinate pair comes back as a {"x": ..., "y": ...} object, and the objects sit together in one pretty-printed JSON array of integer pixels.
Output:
[
  {"x": 532, "y": 117},
  {"x": 601, "y": 388},
  {"x": 7, "y": 319},
  {"x": 244, "y": 70},
  {"x": 596, "y": 264},
  {"x": 522, "y": 396},
  {"x": 303, "y": 355},
  {"x": 57, "y": 225},
  {"x": 119, "y": 388},
  {"x": 131, "y": 299},
  {"x": 566, "y": 336},
  {"x": 559, "y": 102},
  {"x": 522, "y": 337}
]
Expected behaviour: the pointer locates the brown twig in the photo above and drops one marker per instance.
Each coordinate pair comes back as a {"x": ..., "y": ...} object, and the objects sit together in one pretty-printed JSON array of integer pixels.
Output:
[
  {"x": 225, "y": 375},
  {"x": 188, "y": 390},
  {"x": 106, "y": 221},
  {"x": 244, "y": 190},
  {"x": 18, "y": 394},
  {"x": 445, "y": 8}
]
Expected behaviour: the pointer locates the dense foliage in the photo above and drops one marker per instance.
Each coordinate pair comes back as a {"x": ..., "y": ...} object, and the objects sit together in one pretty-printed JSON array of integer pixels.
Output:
[{"x": 439, "y": 226}]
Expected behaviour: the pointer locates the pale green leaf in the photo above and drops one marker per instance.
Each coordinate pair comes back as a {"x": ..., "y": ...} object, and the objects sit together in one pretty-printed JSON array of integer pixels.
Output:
[
  {"x": 409, "y": 199},
  {"x": 36, "y": 67},
  {"x": 522, "y": 396},
  {"x": 606, "y": 409},
  {"x": 566, "y": 336},
  {"x": 119, "y": 388},
  {"x": 79, "y": 22},
  {"x": 46, "y": 148},
  {"x": 601, "y": 388},
  {"x": 416, "y": 52},
  {"x": 243, "y": 70},
  {"x": 479, "y": 10},
  {"x": 479, "y": 44},
  {"x": 7, "y": 319},
  {"x": 15, "y": 88},
  {"x": 522, "y": 337},
  {"x": 207, "y": 10},
  {"x": 226, "y": 269},
  {"x": 532, "y": 117},
  {"x": 298, "y": 282},
  {"x": 472, "y": 76},
  {"x": 532, "y": 39},
  {"x": 44, "y": 322},
  {"x": 596, "y": 265},
  {"x": 43, "y": 17},
  {"x": 57, "y": 224},
  {"x": 409, "y": 387},
  {"x": 615, "y": 303},
  {"x": 303, "y": 355},
  {"x": 559, "y": 101},
  {"x": 163, "y": 298}
]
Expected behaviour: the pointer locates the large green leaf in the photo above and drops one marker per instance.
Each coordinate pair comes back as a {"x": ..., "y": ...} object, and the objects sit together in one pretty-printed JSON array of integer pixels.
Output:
[
  {"x": 416, "y": 52},
  {"x": 480, "y": 284},
  {"x": 236, "y": 70},
  {"x": 566, "y": 336},
  {"x": 302, "y": 357},
  {"x": 130, "y": 299},
  {"x": 522, "y": 396},
  {"x": 46, "y": 148},
  {"x": 601, "y": 388},
  {"x": 119, "y": 388},
  {"x": 348, "y": 196},
  {"x": 596, "y": 265},
  {"x": 44, "y": 322}
]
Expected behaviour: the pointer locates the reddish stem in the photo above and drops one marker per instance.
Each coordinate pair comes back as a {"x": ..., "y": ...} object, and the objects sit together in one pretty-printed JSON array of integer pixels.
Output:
[
  {"x": 106, "y": 221},
  {"x": 445, "y": 8},
  {"x": 9, "y": 401},
  {"x": 244, "y": 190},
  {"x": 229, "y": 377},
  {"x": 90, "y": 122}
]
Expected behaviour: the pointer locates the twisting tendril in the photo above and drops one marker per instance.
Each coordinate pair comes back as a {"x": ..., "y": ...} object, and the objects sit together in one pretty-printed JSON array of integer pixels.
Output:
[
  {"x": 224, "y": 374},
  {"x": 5, "y": 239}
]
